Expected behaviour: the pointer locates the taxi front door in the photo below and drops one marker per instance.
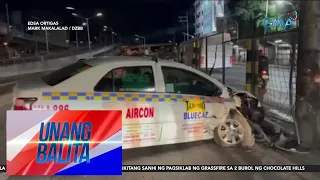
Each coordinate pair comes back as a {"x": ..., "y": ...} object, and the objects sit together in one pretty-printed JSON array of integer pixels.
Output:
[{"x": 195, "y": 102}]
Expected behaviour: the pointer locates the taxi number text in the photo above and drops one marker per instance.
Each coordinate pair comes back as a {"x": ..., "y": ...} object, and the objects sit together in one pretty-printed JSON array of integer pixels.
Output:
[{"x": 55, "y": 107}]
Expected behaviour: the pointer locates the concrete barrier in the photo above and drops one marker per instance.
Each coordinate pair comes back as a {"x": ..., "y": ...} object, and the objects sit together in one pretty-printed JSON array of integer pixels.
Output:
[{"x": 47, "y": 65}]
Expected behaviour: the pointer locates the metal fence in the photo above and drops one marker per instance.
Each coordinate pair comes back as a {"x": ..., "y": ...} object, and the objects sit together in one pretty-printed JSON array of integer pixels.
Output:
[
  {"x": 280, "y": 94},
  {"x": 202, "y": 53},
  {"x": 214, "y": 54},
  {"x": 228, "y": 65}
]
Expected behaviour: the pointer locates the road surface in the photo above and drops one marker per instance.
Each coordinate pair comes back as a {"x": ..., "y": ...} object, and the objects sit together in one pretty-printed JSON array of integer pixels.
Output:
[
  {"x": 204, "y": 152},
  {"x": 235, "y": 76}
]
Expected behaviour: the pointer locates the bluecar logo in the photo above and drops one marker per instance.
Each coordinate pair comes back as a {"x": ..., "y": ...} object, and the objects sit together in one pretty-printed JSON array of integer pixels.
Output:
[{"x": 277, "y": 22}]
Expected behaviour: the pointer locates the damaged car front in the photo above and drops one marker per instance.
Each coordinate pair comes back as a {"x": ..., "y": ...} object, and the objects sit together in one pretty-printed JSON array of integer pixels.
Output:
[{"x": 250, "y": 107}]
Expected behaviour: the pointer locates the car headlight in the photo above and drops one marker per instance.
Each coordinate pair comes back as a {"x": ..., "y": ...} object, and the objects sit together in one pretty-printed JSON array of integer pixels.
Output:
[
  {"x": 259, "y": 104},
  {"x": 237, "y": 101}
]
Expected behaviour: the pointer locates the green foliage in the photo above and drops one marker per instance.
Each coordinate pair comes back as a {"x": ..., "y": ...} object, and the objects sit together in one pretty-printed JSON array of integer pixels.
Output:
[
  {"x": 255, "y": 10},
  {"x": 249, "y": 10}
]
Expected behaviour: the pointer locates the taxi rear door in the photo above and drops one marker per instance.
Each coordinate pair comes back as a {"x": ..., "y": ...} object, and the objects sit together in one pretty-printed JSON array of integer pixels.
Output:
[{"x": 132, "y": 89}]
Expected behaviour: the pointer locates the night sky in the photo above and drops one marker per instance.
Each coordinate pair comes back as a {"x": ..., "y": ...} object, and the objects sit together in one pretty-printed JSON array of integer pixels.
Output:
[{"x": 155, "y": 19}]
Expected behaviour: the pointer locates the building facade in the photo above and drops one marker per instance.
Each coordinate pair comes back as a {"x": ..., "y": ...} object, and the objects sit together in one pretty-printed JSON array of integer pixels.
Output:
[{"x": 207, "y": 13}]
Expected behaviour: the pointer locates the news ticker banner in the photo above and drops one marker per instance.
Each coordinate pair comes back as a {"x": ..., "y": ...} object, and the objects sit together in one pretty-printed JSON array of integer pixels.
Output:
[
  {"x": 220, "y": 168},
  {"x": 64, "y": 143},
  {"x": 214, "y": 168}
]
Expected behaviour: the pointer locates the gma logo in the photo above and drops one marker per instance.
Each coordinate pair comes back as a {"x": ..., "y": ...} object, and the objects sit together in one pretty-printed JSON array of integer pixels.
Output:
[{"x": 269, "y": 23}]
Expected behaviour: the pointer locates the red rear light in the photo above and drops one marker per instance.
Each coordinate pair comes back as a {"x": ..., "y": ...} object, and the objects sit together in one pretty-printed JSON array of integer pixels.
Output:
[
  {"x": 264, "y": 72},
  {"x": 202, "y": 60},
  {"x": 120, "y": 70},
  {"x": 228, "y": 36},
  {"x": 231, "y": 59},
  {"x": 24, "y": 103},
  {"x": 261, "y": 53}
]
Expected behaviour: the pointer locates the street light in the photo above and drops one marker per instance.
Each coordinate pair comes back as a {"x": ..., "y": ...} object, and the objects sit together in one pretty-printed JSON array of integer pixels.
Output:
[
  {"x": 188, "y": 35},
  {"x": 77, "y": 39},
  {"x": 87, "y": 24},
  {"x": 105, "y": 27},
  {"x": 46, "y": 34},
  {"x": 70, "y": 8},
  {"x": 286, "y": 2},
  {"x": 279, "y": 2},
  {"x": 112, "y": 33},
  {"x": 144, "y": 40}
]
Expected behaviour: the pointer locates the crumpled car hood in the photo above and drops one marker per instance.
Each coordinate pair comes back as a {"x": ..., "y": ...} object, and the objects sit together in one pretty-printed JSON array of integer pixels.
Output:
[{"x": 237, "y": 91}]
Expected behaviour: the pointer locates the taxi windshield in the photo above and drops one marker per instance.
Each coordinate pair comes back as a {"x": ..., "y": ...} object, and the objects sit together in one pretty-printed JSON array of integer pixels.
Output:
[{"x": 65, "y": 73}]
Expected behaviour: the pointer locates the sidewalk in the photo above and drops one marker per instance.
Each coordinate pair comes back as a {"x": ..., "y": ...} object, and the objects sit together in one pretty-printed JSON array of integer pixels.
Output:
[
  {"x": 239, "y": 63},
  {"x": 304, "y": 159},
  {"x": 275, "y": 66}
]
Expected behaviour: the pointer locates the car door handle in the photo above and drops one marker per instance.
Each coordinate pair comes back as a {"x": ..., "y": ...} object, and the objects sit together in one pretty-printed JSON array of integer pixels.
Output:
[{"x": 214, "y": 116}]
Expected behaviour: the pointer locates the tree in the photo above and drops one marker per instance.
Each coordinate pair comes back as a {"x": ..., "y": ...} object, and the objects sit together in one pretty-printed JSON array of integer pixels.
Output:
[
  {"x": 256, "y": 10},
  {"x": 250, "y": 10},
  {"x": 308, "y": 74}
]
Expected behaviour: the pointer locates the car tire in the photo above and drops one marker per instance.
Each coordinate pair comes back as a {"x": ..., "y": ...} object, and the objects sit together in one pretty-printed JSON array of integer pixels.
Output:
[{"x": 244, "y": 137}]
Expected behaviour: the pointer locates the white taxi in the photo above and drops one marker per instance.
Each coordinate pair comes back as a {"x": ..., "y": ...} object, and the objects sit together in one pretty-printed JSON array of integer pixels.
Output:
[{"x": 162, "y": 102}]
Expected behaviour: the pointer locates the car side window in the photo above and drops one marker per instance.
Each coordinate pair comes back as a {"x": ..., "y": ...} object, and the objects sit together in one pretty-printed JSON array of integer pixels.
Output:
[
  {"x": 186, "y": 82},
  {"x": 127, "y": 79}
]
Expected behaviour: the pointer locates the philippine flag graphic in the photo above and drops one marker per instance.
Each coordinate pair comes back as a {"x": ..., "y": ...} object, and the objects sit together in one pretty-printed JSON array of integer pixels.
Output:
[{"x": 64, "y": 143}]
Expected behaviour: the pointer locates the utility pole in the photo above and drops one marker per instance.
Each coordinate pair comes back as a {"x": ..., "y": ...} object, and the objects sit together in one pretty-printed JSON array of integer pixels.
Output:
[
  {"x": 308, "y": 75},
  {"x": 77, "y": 40},
  {"x": 88, "y": 32},
  {"x": 9, "y": 37},
  {"x": 112, "y": 42},
  {"x": 120, "y": 38},
  {"x": 185, "y": 19},
  {"x": 100, "y": 37},
  {"x": 224, "y": 51},
  {"x": 87, "y": 24},
  {"x": 45, "y": 33},
  {"x": 8, "y": 17}
]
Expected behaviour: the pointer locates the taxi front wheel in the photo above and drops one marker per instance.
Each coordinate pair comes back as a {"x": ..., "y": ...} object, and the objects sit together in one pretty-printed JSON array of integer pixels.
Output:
[{"x": 234, "y": 132}]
